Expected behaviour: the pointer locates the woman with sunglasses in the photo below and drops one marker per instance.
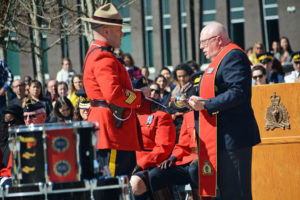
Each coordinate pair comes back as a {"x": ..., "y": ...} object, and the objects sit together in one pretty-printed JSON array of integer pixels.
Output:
[
  {"x": 259, "y": 75},
  {"x": 62, "y": 111}
]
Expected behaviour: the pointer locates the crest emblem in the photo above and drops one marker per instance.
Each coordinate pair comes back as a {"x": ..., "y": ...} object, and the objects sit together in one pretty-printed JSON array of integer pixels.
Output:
[
  {"x": 207, "y": 168},
  {"x": 276, "y": 114},
  {"x": 150, "y": 120},
  {"x": 60, "y": 144},
  {"x": 62, "y": 168}
]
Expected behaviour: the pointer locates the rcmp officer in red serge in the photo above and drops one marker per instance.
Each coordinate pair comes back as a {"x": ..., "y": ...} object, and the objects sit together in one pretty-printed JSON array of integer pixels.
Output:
[
  {"x": 114, "y": 103},
  {"x": 227, "y": 126}
]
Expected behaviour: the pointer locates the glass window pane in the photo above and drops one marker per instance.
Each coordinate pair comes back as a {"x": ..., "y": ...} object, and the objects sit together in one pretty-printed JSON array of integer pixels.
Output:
[
  {"x": 147, "y": 7},
  {"x": 12, "y": 58},
  {"x": 182, "y": 5},
  {"x": 45, "y": 61},
  {"x": 236, "y": 3},
  {"x": 270, "y": 1},
  {"x": 209, "y": 17},
  {"x": 271, "y": 11},
  {"x": 165, "y": 7},
  {"x": 237, "y": 15},
  {"x": 209, "y": 4},
  {"x": 126, "y": 43}
]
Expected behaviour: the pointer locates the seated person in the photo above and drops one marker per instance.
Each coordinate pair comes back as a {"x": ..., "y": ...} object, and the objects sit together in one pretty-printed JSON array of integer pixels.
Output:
[
  {"x": 294, "y": 76},
  {"x": 180, "y": 168},
  {"x": 259, "y": 75},
  {"x": 273, "y": 67},
  {"x": 12, "y": 116},
  {"x": 83, "y": 105},
  {"x": 34, "y": 112}
]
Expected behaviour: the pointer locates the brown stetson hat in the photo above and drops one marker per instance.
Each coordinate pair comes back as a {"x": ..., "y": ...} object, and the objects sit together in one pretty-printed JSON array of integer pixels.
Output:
[{"x": 106, "y": 14}]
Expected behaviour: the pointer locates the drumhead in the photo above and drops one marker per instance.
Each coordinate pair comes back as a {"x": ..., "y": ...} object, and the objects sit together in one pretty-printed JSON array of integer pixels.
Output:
[{"x": 51, "y": 126}]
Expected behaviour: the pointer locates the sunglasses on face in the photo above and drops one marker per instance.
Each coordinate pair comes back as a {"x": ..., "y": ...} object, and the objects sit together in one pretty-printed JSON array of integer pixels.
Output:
[
  {"x": 65, "y": 110},
  {"x": 298, "y": 62},
  {"x": 258, "y": 76},
  {"x": 13, "y": 121},
  {"x": 154, "y": 90},
  {"x": 30, "y": 116}
]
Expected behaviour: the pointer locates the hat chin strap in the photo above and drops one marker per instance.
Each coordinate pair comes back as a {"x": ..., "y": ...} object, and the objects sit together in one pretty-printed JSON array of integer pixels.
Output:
[{"x": 103, "y": 19}]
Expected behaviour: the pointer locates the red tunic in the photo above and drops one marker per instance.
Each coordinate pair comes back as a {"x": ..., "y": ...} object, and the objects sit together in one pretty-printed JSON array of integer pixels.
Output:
[
  {"x": 105, "y": 78},
  {"x": 7, "y": 171},
  {"x": 186, "y": 149},
  {"x": 159, "y": 133}
]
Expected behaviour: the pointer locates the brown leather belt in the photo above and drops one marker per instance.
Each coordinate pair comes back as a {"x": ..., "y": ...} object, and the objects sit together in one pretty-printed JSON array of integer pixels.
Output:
[{"x": 98, "y": 103}]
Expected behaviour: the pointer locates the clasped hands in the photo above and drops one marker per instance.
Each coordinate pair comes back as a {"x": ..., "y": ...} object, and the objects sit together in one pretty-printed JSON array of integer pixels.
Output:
[{"x": 194, "y": 104}]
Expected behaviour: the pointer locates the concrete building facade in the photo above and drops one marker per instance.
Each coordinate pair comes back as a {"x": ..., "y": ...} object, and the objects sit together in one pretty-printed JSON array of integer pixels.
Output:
[{"x": 166, "y": 32}]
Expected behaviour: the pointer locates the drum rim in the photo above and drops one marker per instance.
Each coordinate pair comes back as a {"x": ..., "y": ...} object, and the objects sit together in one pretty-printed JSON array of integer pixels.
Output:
[{"x": 52, "y": 126}]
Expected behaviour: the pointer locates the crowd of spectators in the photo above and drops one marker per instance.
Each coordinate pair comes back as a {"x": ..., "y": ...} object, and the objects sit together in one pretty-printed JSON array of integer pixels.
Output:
[
  {"x": 65, "y": 100},
  {"x": 279, "y": 65}
]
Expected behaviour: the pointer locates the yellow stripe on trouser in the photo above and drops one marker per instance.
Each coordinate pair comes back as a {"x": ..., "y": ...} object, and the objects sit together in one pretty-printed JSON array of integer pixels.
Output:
[{"x": 112, "y": 162}]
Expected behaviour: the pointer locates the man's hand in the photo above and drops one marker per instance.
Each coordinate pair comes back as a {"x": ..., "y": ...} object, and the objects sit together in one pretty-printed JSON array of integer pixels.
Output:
[
  {"x": 194, "y": 161},
  {"x": 146, "y": 91},
  {"x": 136, "y": 169},
  {"x": 196, "y": 104},
  {"x": 167, "y": 163},
  {"x": 2, "y": 92}
]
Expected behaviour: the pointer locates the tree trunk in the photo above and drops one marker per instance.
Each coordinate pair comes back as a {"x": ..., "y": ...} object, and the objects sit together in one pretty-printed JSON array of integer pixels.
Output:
[{"x": 38, "y": 49}]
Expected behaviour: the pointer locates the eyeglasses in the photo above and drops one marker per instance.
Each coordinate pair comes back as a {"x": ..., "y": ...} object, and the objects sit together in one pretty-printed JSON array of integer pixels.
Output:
[
  {"x": 29, "y": 116},
  {"x": 65, "y": 110},
  {"x": 21, "y": 85},
  {"x": 258, "y": 76},
  {"x": 297, "y": 62},
  {"x": 154, "y": 90},
  {"x": 13, "y": 121},
  {"x": 205, "y": 42}
]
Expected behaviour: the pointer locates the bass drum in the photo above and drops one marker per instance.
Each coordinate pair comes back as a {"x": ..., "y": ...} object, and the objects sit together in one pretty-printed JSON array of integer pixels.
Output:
[{"x": 53, "y": 152}]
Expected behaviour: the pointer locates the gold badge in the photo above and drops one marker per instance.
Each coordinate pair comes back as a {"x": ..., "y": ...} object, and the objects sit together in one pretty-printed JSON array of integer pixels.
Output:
[
  {"x": 276, "y": 114},
  {"x": 207, "y": 168},
  {"x": 131, "y": 96}
]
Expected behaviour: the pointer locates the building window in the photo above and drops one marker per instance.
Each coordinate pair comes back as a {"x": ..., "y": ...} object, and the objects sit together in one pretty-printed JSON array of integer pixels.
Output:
[
  {"x": 12, "y": 55},
  {"x": 124, "y": 10},
  {"x": 183, "y": 30},
  {"x": 208, "y": 16},
  {"x": 45, "y": 55},
  {"x": 271, "y": 27},
  {"x": 237, "y": 22},
  {"x": 166, "y": 33},
  {"x": 148, "y": 33}
]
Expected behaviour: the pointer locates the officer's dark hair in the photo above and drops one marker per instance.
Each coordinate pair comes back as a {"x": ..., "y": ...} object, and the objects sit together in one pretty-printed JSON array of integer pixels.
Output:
[
  {"x": 259, "y": 67},
  {"x": 184, "y": 67},
  {"x": 192, "y": 63}
]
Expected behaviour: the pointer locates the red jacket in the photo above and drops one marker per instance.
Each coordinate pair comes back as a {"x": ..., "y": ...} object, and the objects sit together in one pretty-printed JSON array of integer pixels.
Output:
[
  {"x": 7, "y": 171},
  {"x": 105, "y": 78},
  {"x": 186, "y": 149},
  {"x": 158, "y": 133}
]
